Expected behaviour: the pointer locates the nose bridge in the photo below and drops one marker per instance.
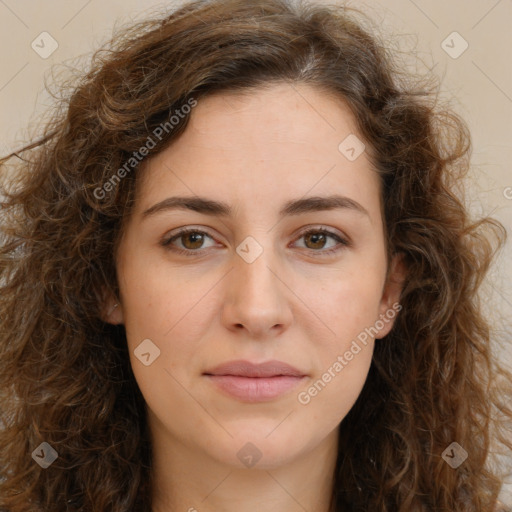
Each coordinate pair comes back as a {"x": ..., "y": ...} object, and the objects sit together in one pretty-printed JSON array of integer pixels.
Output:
[
  {"x": 256, "y": 297},
  {"x": 258, "y": 276}
]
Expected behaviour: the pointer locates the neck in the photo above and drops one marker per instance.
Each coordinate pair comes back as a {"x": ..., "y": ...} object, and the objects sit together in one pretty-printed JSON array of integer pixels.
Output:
[{"x": 190, "y": 480}]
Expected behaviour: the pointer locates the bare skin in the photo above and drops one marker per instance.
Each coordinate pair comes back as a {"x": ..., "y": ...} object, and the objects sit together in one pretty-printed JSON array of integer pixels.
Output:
[{"x": 295, "y": 302}]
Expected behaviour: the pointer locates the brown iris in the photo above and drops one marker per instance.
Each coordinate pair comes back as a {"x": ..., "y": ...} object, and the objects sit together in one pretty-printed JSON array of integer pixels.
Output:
[
  {"x": 316, "y": 238},
  {"x": 196, "y": 239}
]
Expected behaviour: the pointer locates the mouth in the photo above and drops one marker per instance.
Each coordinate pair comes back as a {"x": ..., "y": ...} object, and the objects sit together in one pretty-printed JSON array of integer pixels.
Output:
[{"x": 250, "y": 382}]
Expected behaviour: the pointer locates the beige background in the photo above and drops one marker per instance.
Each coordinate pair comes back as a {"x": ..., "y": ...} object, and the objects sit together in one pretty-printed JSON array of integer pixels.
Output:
[{"x": 478, "y": 82}]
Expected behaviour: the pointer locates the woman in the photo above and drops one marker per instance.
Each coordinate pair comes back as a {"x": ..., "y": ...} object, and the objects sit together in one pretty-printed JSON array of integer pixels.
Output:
[{"x": 236, "y": 275}]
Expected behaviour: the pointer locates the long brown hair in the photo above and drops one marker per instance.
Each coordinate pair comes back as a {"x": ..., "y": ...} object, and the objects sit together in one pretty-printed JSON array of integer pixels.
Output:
[{"x": 65, "y": 375}]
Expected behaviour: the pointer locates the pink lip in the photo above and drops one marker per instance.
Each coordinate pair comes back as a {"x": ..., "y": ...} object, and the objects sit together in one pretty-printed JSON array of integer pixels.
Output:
[{"x": 255, "y": 382}]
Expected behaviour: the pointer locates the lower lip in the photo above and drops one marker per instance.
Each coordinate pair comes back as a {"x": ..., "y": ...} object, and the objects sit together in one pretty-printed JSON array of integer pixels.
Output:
[{"x": 255, "y": 389}]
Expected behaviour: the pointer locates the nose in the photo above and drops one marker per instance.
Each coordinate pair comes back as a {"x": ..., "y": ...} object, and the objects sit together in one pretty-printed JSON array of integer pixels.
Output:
[{"x": 257, "y": 298}]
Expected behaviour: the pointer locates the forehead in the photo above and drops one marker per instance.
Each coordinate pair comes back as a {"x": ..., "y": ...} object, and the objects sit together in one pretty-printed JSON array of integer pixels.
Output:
[
  {"x": 281, "y": 140},
  {"x": 279, "y": 113}
]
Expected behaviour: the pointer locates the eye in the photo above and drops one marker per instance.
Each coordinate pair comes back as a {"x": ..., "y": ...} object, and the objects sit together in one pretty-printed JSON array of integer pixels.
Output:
[
  {"x": 192, "y": 240},
  {"x": 316, "y": 240}
]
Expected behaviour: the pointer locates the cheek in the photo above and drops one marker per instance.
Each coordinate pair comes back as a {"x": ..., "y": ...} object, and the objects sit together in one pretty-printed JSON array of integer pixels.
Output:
[
  {"x": 347, "y": 304},
  {"x": 335, "y": 387},
  {"x": 158, "y": 300},
  {"x": 173, "y": 310}
]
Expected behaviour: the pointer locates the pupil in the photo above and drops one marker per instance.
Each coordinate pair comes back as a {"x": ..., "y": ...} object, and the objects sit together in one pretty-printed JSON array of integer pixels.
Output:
[
  {"x": 196, "y": 239},
  {"x": 317, "y": 236}
]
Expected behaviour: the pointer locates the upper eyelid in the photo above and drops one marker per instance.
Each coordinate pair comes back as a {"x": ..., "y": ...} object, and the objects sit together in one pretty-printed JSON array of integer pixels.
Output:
[{"x": 315, "y": 227}]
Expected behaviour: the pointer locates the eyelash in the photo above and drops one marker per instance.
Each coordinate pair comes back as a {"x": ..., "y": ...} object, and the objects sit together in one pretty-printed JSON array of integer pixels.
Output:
[{"x": 190, "y": 252}]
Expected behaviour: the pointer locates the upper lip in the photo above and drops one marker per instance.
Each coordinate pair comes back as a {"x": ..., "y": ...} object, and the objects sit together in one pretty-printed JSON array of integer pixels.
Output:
[{"x": 243, "y": 368}]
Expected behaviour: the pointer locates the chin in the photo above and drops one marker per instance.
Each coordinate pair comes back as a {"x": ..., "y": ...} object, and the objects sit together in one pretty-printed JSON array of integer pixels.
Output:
[{"x": 260, "y": 446}]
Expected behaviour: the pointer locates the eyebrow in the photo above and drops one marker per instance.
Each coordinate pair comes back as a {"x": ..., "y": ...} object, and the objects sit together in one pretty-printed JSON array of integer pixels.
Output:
[{"x": 216, "y": 208}]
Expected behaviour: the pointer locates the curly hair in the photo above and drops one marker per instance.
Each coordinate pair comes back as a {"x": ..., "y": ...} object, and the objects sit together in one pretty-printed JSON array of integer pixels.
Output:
[{"x": 65, "y": 375}]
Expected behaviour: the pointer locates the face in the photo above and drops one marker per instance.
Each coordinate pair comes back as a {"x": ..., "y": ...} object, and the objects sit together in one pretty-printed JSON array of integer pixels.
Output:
[{"x": 271, "y": 276}]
